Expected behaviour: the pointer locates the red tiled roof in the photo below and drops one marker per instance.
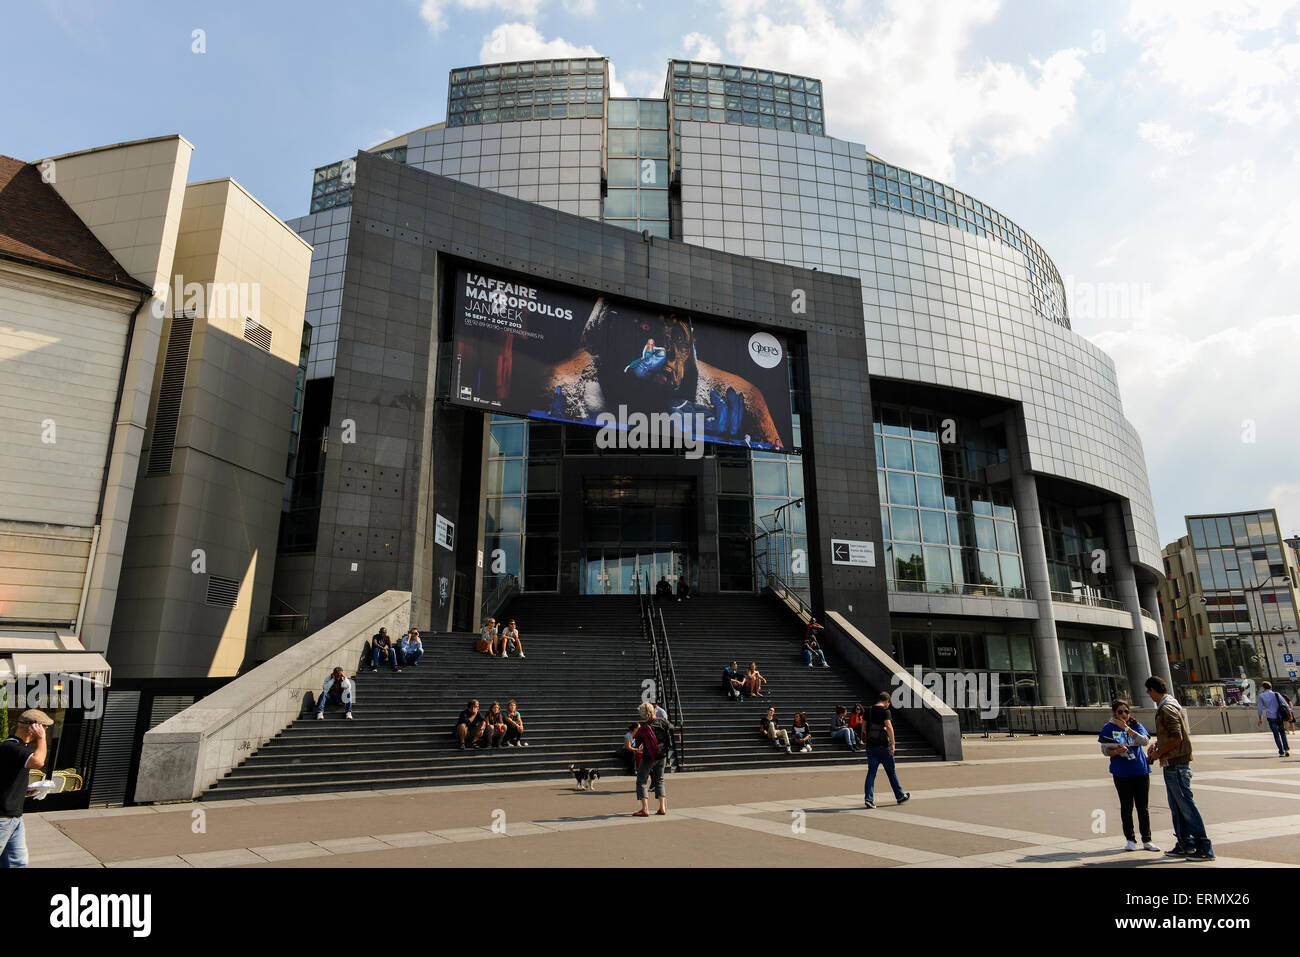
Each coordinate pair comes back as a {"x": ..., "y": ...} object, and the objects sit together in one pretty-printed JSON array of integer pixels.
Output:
[{"x": 38, "y": 227}]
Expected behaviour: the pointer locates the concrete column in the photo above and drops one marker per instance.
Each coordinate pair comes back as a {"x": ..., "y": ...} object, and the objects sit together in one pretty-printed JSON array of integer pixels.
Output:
[
  {"x": 1033, "y": 552},
  {"x": 1121, "y": 573},
  {"x": 1156, "y": 651}
]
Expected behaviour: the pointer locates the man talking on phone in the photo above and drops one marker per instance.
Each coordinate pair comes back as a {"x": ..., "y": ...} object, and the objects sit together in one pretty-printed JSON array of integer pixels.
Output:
[{"x": 17, "y": 757}]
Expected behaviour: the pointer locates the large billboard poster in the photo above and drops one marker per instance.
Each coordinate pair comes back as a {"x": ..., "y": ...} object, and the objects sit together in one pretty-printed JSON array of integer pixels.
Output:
[{"x": 525, "y": 349}]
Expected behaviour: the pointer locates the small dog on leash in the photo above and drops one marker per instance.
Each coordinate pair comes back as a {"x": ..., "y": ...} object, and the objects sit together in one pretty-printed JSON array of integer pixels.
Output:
[{"x": 586, "y": 777}]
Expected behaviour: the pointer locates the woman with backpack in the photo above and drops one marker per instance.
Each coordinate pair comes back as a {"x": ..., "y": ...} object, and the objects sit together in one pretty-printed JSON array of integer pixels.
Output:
[{"x": 654, "y": 737}]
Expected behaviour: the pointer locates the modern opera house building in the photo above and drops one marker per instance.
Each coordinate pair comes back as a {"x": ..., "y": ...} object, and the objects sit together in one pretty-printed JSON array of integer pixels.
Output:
[{"x": 482, "y": 290}]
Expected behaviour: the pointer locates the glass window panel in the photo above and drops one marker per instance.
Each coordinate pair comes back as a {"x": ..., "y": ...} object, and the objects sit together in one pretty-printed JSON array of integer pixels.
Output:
[
  {"x": 507, "y": 440},
  {"x": 620, "y": 203},
  {"x": 934, "y": 528},
  {"x": 1011, "y": 576},
  {"x": 652, "y": 173},
  {"x": 653, "y": 113},
  {"x": 621, "y": 142},
  {"x": 898, "y": 453},
  {"x": 796, "y": 478},
  {"x": 1007, "y": 537},
  {"x": 908, "y": 563},
  {"x": 654, "y": 203},
  {"x": 916, "y": 648},
  {"x": 990, "y": 572},
  {"x": 938, "y": 567},
  {"x": 770, "y": 478},
  {"x": 504, "y": 514},
  {"x": 999, "y": 653},
  {"x": 543, "y": 477},
  {"x": 930, "y": 490},
  {"x": 655, "y": 228},
  {"x": 905, "y": 526},
  {"x": 927, "y": 457},
  {"x": 510, "y": 545},
  {"x": 985, "y": 536},
  {"x": 623, "y": 172},
  {"x": 654, "y": 143},
  {"x": 902, "y": 488}
]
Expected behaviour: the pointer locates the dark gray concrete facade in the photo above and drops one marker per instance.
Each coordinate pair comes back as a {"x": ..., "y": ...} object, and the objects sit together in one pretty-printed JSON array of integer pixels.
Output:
[{"x": 405, "y": 460}]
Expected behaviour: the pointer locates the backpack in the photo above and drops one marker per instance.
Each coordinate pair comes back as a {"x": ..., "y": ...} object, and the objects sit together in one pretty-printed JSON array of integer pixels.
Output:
[
  {"x": 663, "y": 738},
  {"x": 876, "y": 736}
]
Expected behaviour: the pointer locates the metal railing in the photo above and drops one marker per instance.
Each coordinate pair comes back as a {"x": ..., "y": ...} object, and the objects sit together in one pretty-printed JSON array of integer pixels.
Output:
[
  {"x": 951, "y": 588},
  {"x": 791, "y": 596},
  {"x": 505, "y": 589},
  {"x": 280, "y": 624},
  {"x": 665, "y": 674},
  {"x": 1096, "y": 601}
]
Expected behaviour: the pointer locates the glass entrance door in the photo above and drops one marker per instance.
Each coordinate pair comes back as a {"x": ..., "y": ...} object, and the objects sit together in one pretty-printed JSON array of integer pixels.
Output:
[{"x": 612, "y": 570}]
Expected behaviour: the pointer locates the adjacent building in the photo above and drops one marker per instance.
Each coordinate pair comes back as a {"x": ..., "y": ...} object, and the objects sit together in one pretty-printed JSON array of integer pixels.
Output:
[
  {"x": 1229, "y": 607},
  {"x": 151, "y": 332},
  {"x": 927, "y": 340}
]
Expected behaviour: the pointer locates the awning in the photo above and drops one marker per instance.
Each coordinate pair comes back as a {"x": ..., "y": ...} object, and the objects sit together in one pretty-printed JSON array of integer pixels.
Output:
[{"x": 85, "y": 665}]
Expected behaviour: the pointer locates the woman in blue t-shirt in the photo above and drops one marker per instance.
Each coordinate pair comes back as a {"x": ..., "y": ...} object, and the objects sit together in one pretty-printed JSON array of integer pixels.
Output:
[{"x": 1124, "y": 741}]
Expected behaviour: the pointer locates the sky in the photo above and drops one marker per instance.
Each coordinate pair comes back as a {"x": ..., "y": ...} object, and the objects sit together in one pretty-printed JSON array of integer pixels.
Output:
[{"x": 1151, "y": 146}]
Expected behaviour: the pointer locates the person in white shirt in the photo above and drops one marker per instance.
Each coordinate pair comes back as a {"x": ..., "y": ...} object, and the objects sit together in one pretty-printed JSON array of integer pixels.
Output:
[
  {"x": 338, "y": 689},
  {"x": 510, "y": 636}
]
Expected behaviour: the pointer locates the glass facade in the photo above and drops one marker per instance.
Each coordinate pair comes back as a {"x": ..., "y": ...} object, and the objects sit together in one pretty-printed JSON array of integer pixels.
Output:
[
  {"x": 531, "y": 90},
  {"x": 636, "y": 144},
  {"x": 1248, "y": 593},
  {"x": 720, "y": 93},
  {"x": 332, "y": 184},
  {"x": 945, "y": 531},
  {"x": 1094, "y": 671},
  {"x": 523, "y": 503},
  {"x": 951, "y": 646},
  {"x": 1074, "y": 542},
  {"x": 893, "y": 187}
]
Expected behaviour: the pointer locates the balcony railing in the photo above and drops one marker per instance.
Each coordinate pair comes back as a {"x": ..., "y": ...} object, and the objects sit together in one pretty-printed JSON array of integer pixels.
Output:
[
  {"x": 1096, "y": 601},
  {"x": 948, "y": 588}
]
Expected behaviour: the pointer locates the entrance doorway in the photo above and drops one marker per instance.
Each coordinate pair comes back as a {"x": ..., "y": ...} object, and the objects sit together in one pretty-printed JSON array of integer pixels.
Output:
[{"x": 634, "y": 527}]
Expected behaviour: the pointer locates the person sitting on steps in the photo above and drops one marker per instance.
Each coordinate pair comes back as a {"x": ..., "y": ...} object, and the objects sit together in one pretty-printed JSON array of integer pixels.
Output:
[
  {"x": 382, "y": 647},
  {"x": 683, "y": 588},
  {"x": 801, "y": 734},
  {"x": 510, "y": 636},
  {"x": 663, "y": 589},
  {"x": 733, "y": 682},
  {"x": 811, "y": 650},
  {"x": 754, "y": 680},
  {"x": 411, "y": 648},
  {"x": 470, "y": 725},
  {"x": 772, "y": 730},
  {"x": 514, "y": 726},
  {"x": 338, "y": 689},
  {"x": 496, "y": 725},
  {"x": 488, "y": 638}
]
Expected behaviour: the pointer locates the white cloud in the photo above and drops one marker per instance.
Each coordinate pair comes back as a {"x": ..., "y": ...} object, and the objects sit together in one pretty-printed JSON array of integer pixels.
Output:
[
  {"x": 1228, "y": 58},
  {"x": 434, "y": 12},
  {"x": 1286, "y": 499},
  {"x": 897, "y": 80},
  {"x": 523, "y": 41},
  {"x": 580, "y": 8},
  {"x": 1191, "y": 397},
  {"x": 700, "y": 46},
  {"x": 1165, "y": 138}
]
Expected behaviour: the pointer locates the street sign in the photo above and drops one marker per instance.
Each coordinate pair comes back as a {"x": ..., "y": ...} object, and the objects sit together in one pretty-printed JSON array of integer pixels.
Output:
[
  {"x": 847, "y": 552},
  {"x": 445, "y": 534},
  {"x": 1288, "y": 658}
]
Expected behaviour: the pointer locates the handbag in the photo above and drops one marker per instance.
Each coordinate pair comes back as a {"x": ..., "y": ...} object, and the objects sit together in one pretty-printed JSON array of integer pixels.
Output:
[{"x": 481, "y": 645}]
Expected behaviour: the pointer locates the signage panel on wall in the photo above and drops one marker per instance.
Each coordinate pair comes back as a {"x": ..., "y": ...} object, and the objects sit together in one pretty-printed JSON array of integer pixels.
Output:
[
  {"x": 524, "y": 348},
  {"x": 847, "y": 552}
]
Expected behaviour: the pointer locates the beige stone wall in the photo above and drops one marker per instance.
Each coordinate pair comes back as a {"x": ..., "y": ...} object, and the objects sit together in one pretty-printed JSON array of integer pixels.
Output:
[{"x": 234, "y": 262}]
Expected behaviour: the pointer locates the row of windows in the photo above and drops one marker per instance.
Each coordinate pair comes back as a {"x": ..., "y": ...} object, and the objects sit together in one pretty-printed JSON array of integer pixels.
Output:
[
  {"x": 471, "y": 90},
  {"x": 645, "y": 143},
  {"x": 331, "y": 187},
  {"x": 1239, "y": 530},
  {"x": 648, "y": 114},
  {"x": 895, "y": 188},
  {"x": 747, "y": 91},
  {"x": 721, "y": 71},
  {"x": 556, "y": 111},
  {"x": 623, "y": 203},
  {"x": 748, "y": 105},
  {"x": 530, "y": 98},
  {"x": 739, "y": 118},
  {"x": 528, "y": 68}
]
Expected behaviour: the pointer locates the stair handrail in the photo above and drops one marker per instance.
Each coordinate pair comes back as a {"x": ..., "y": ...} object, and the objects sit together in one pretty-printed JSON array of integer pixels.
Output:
[
  {"x": 505, "y": 589},
  {"x": 665, "y": 688},
  {"x": 789, "y": 595},
  {"x": 674, "y": 697}
]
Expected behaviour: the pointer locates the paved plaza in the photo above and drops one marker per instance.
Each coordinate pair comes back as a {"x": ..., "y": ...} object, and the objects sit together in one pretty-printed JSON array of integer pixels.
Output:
[{"x": 1024, "y": 802}]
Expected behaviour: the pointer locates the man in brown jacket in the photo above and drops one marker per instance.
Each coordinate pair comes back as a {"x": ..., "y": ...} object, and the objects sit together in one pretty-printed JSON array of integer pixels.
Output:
[{"x": 1173, "y": 748}]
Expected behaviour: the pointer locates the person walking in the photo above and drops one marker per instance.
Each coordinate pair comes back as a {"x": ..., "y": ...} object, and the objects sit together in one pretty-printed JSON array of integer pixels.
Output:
[
  {"x": 1123, "y": 740},
  {"x": 654, "y": 736},
  {"x": 1273, "y": 706},
  {"x": 880, "y": 751},
  {"x": 1173, "y": 749},
  {"x": 18, "y": 756}
]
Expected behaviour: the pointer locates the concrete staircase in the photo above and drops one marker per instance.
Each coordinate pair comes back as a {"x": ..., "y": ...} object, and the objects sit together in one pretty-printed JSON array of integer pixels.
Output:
[
  {"x": 578, "y": 689},
  {"x": 708, "y": 632}
]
